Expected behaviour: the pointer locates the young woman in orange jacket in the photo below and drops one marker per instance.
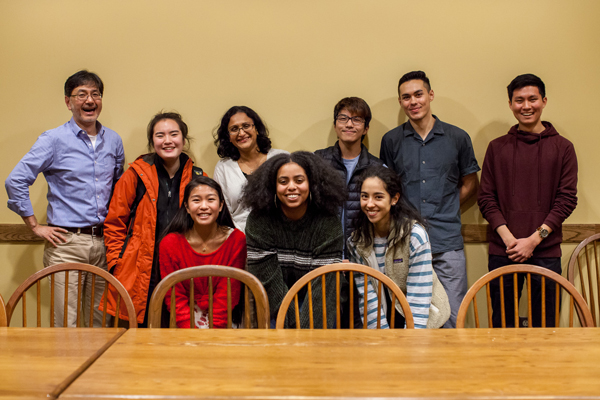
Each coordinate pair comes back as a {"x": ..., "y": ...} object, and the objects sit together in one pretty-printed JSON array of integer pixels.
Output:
[{"x": 144, "y": 201}]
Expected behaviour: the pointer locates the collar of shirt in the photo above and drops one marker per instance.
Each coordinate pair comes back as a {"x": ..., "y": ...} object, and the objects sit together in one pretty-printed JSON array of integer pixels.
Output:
[
  {"x": 437, "y": 129},
  {"x": 76, "y": 129}
]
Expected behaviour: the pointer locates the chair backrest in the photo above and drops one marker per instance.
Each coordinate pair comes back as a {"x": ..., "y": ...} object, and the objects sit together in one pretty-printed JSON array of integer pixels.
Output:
[
  {"x": 3, "y": 321},
  {"x": 21, "y": 291},
  {"x": 251, "y": 282},
  {"x": 584, "y": 272},
  {"x": 351, "y": 268},
  {"x": 575, "y": 299}
]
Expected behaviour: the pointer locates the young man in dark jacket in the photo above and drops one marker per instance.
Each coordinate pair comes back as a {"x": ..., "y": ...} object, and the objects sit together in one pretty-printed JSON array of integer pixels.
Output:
[
  {"x": 351, "y": 117},
  {"x": 528, "y": 188}
]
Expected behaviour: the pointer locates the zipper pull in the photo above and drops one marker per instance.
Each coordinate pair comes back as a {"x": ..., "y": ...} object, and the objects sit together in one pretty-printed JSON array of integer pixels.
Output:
[{"x": 169, "y": 194}]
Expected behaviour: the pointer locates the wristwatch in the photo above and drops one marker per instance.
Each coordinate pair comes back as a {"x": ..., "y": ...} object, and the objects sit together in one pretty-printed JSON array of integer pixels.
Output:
[{"x": 543, "y": 232}]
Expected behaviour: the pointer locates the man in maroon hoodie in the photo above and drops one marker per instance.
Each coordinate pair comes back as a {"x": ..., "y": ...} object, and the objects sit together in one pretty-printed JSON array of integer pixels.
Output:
[{"x": 528, "y": 188}]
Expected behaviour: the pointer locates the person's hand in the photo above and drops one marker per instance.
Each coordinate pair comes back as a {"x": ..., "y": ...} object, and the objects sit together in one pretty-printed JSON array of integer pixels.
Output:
[
  {"x": 522, "y": 249},
  {"x": 50, "y": 233}
]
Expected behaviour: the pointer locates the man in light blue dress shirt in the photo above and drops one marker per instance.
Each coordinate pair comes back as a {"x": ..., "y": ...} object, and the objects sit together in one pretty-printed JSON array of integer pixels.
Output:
[{"x": 81, "y": 161}]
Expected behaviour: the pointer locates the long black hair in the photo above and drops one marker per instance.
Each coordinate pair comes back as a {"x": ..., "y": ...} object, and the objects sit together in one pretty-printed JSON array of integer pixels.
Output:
[
  {"x": 183, "y": 222},
  {"x": 327, "y": 188},
  {"x": 223, "y": 142},
  {"x": 402, "y": 214}
]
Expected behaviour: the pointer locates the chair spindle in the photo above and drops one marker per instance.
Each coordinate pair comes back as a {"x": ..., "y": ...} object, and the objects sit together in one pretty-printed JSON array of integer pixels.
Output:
[
  {"x": 229, "y": 310},
  {"x": 515, "y": 301},
  {"x": 502, "y": 302},
  {"x": 351, "y": 300},
  {"x": 92, "y": 305},
  {"x": 210, "y": 302},
  {"x": 324, "y": 301},
  {"x": 79, "y": 287},
  {"x": 39, "y": 304},
  {"x": 192, "y": 309},
  {"x": 297, "y": 312},
  {"x": 66, "y": 294},
  {"x": 310, "y": 306}
]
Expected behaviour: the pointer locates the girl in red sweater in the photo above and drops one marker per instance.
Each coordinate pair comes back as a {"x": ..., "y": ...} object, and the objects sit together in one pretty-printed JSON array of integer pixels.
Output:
[{"x": 202, "y": 233}]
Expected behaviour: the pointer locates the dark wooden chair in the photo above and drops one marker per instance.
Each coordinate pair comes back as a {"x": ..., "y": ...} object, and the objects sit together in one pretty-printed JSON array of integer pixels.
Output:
[
  {"x": 97, "y": 273},
  {"x": 244, "y": 277},
  {"x": 3, "y": 321},
  {"x": 584, "y": 273},
  {"x": 351, "y": 268},
  {"x": 562, "y": 285}
]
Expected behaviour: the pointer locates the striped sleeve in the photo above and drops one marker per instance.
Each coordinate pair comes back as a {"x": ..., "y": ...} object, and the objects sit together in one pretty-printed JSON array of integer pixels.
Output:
[{"x": 419, "y": 284}]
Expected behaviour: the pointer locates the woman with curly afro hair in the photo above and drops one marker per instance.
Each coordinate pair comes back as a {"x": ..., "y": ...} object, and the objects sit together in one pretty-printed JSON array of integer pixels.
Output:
[{"x": 294, "y": 228}]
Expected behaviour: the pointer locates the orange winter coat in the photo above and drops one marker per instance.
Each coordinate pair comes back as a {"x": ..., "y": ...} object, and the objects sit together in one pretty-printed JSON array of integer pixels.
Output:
[{"x": 131, "y": 260}]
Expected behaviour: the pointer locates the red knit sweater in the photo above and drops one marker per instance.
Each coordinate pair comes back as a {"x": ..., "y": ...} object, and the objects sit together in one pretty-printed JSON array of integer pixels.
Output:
[
  {"x": 527, "y": 180},
  {"x": 176, "y": 253}
]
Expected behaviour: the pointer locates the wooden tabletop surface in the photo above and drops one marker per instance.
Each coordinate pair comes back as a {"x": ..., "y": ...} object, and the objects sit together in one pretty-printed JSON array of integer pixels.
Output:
[
  {"x": 37, "y": 362},
  {"x": 275, "y": 364}
]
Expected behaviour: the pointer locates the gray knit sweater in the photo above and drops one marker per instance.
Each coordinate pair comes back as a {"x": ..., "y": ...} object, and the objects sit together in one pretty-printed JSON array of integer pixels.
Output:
[{"x": 281, "y": 251}]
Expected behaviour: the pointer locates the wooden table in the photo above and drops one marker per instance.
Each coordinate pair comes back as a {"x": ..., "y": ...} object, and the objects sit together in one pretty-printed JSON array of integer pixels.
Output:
[
  {"x": 40, "y": 362},
  {"x": 275, "y": 364}
]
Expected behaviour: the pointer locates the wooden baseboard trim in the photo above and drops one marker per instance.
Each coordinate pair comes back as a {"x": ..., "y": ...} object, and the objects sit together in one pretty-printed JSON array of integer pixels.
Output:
[{"x": 472, "y": 233}]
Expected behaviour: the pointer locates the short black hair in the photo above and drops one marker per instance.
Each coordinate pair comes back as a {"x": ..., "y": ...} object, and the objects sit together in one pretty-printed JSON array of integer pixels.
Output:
[
  {"x": 410, "y": 76},
  {"x": 524, "y": 80},
  {"x": 223, "y": 142},
  {"x": 167, "y": 115},
  {"x": 355, "y": 105},
  {"x": 83, "y": 77},
  {"x": 327, "y": 187}
]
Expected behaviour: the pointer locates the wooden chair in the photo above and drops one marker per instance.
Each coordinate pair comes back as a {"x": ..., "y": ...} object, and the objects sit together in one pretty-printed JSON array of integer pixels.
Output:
[
  {"x": 3, "y": 321},
  {"x": 584, "y": 272},
  {"x": 307, "y": 279},
  {"x": 251, "y": 282},
  {"x": 21, "y": 291},
  {"x": 561, "y": 283}
]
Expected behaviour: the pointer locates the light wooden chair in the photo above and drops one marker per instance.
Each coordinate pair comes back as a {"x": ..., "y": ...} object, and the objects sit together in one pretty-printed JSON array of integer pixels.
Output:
[
  {"x": 21, "y": 291},
  {"x": 561, "y": 284},
  {"x": 584, "y": 272},
  {"x": 246, "y": 278},
  {"x": 351, "y": 268},
  {"x": 3, "y": 321}
]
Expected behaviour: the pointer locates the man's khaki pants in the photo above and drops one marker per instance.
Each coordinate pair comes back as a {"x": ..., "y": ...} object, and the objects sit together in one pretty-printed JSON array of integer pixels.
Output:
[{"x": 79, "y": 248}]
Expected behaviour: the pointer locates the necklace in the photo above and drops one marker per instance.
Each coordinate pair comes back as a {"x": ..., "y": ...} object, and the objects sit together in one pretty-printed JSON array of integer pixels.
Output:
[{"x": 261, "y": 158}]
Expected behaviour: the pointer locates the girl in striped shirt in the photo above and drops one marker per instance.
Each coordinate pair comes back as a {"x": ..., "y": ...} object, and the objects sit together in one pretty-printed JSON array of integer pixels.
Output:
[{"x": 389, "y": 236}]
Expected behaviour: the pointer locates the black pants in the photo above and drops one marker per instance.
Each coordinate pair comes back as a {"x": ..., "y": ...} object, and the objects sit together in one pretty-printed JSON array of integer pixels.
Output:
[{"x": 553, "y": 264}]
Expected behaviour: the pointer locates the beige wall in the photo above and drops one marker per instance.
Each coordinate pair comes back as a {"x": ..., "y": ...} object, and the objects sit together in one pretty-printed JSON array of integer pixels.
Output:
[{"x": 291, "y": 62}]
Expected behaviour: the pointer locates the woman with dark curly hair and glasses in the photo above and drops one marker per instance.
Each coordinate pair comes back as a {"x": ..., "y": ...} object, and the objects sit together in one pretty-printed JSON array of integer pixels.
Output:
[
  {"x": 243, "y": 143},
  {"x": 294, "y": 228}
]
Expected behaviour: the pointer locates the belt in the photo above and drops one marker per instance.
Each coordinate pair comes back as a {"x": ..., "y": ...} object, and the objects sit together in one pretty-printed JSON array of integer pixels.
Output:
[{"x": 96, "y": 230}]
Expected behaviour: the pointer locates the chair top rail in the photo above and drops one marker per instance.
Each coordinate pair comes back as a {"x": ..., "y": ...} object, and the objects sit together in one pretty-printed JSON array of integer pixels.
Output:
[
  {"x": 586, "y": 315},
  {"x": 29, "y": 282},
  {"x": 341, "y": 267}
]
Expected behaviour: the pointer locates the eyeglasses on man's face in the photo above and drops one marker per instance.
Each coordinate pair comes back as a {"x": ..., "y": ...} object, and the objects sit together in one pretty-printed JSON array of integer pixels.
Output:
[
  {"x": 236, "y": 128},
  {"x": 343, "y": 118},
  {"x": 82, "y": 96}
]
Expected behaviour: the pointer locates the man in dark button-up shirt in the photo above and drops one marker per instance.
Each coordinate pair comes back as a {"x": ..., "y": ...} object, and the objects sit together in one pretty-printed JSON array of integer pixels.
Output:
[
  {"x": 81, "y": 160},
  {"x": 439, "y": 171}
]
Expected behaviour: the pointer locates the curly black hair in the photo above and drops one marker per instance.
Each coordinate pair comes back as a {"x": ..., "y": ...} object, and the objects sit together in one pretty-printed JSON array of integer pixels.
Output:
[
  {"x": 224, "y": 146},
  {"x": 327, "y": 188},
  {"x": 402, "y": 214}
]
